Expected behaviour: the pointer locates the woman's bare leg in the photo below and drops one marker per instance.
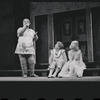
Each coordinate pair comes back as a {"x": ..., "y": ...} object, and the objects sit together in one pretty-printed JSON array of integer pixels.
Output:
[
  {"x": 56, "y": 72},
  {"x": 51, "y": 72}
]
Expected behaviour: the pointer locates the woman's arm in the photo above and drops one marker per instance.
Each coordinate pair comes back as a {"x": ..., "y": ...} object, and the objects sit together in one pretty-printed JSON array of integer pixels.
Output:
[
  {"x": 70, "y": 56},
  {"x": 51, "y": 57},
  {"x": 78, "y": 56},
  {"x": 64, "y": 56}
]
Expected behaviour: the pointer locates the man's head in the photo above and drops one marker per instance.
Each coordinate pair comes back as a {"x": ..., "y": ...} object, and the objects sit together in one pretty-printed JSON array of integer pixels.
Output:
[{"x": 26, "y": 21}]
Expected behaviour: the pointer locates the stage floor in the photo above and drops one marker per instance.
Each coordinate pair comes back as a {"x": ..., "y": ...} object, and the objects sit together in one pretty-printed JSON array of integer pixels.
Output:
[
  {"x": 32, "y": 88},
  {"x": 91, "y": 79}
]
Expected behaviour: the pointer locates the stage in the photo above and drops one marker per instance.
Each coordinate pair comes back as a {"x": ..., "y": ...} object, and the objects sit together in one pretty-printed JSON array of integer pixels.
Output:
[
  {"x": 43, "y": 88},
  {"x": 45, "y": 79}
]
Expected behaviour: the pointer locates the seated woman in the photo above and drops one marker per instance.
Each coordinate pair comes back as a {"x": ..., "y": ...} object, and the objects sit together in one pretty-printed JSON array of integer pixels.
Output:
[
  {"x": 75, "y": 66},
  {"x": 57, "y": 59}
]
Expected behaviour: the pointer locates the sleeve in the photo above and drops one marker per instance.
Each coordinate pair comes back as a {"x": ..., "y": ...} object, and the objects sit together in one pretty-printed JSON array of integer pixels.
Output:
[{"x": 18, "y": 32}]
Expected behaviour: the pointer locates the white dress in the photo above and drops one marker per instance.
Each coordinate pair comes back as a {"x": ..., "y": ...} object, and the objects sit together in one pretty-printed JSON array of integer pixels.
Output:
[
  {"x": 25, "y": 43},
  {"x": 57, "y": 60},
  {"x": 75, "y": 66}
]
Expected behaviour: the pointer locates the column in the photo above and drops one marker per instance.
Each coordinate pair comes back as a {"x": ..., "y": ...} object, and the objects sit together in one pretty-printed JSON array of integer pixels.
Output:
[
  {"x": 32, "y": 19},
  {"x": 50, "y": 33},
  {"x": 89, "y": 34}
]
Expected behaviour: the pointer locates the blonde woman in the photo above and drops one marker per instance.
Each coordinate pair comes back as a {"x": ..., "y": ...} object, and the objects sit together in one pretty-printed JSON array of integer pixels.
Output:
[
  {"x": 57, "y": 59},
  {"x": 75, "y": 66}
]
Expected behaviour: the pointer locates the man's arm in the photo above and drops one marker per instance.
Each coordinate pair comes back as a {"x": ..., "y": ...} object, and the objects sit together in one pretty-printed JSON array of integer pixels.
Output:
[
  {"x": 21, "y": 30},
  {"x": 35, "y": 37}
]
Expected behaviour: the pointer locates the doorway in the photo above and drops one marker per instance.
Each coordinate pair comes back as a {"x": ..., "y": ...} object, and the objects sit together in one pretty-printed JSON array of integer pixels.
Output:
[{"x": 42, "y": 42}]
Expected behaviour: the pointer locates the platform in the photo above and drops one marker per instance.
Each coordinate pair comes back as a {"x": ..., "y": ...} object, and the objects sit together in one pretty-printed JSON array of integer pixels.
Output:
[
  {"x": 43, "y": 88},
  {"x": 45, "y": 79}
]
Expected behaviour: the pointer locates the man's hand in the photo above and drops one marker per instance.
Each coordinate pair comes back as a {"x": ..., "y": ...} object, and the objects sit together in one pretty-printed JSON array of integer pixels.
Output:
[
  {"x": 23, "y": 45},
  {"x": 36, "y": 33},
  {"x": 27, "y": 25}
]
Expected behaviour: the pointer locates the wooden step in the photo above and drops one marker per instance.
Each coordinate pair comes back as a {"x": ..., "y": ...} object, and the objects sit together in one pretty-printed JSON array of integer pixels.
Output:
[
  {"x": 41, "y": 66},
  {"x": 40, "y": 72},
  {"x": 44, "y": 72},
  {"x": 92, "y": 72}
]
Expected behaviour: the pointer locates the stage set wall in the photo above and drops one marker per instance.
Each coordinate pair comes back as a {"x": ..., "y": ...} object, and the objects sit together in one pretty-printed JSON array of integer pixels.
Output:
[
  {"x": 55, "y": 15},
  {"x": 47, "y": 18}
]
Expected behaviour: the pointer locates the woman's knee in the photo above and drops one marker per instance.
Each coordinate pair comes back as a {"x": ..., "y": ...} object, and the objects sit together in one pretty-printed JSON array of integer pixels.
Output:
[{"x": 52, "y": 65}]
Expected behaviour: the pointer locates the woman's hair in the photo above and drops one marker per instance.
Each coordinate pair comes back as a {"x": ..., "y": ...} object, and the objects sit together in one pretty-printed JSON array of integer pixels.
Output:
[
  {"x": 73, "y": 44},
  {"x": 60, "y": 44}
]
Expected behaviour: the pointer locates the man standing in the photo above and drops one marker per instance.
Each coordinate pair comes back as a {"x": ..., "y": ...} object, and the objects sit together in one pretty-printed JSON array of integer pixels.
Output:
[{"x": 25, "y": 48}]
